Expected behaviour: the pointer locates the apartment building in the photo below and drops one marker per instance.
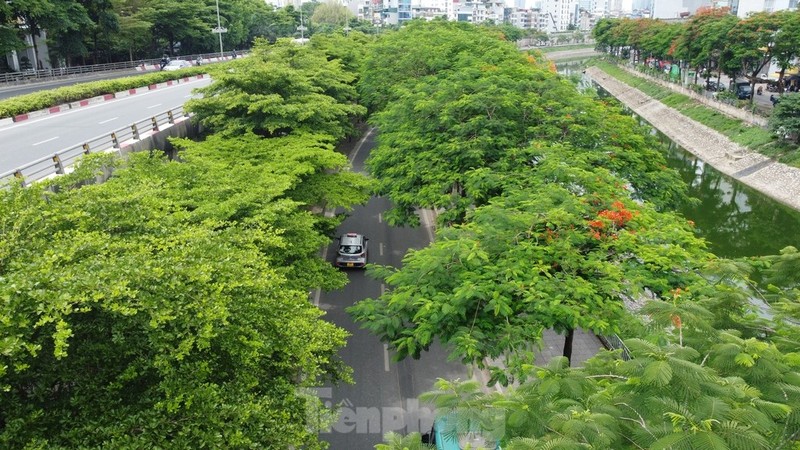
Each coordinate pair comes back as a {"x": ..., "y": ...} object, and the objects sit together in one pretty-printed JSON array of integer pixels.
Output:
[
  {"x": 673, "y": 9},
  {"x": 742, "y": 8},
  {"x": 559, "y": 14}
]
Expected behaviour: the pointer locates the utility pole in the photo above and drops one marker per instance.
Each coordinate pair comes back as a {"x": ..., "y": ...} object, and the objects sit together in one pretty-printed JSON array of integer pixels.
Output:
[{"x": 219, "y": 30}]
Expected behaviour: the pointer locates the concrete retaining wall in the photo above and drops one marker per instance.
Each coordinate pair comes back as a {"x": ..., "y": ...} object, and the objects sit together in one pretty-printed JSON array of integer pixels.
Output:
[{"x": 777, "y": 180}]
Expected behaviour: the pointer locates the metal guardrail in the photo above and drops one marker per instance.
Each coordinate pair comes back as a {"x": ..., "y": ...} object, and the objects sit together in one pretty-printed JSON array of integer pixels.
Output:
[
  {"x": 614, "y": 342},
  {"x": 27, "y": 76},
  {"x": 58, "y": 162}
]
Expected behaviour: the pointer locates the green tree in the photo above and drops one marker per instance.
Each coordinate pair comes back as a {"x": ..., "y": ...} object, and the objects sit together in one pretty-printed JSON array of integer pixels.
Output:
[
  {"x": 63, "y": 22},
  {"x": 331, "y": 13},
  {"x": 750, "y": 44},
  {"x": 535, "y": 258},
  {"x": 280, "y": 90},
  {"x": 176, "y": 21},
  {"x": 784, "y": 52},
  {"x": 134, "y": 36},
  {"x": 105, "y": 23},
  {"x": 9, "y": 32},
  {"x": 785, "y": 121},
  {"x": 273, "y": 24},
  {"x": 166, "y": 312}
]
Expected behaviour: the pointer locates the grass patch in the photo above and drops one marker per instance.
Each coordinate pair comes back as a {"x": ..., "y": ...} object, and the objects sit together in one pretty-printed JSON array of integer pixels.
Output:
[
  {"x": 750, "y": 136},
  {"x": 561, "y": 48}
]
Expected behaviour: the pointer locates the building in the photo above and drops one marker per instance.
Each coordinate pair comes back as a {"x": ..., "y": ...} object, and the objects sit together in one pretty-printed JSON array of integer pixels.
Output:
[
  {"x": 478, "y": 11},
  {"x": 396, "y": 12},
  {"x": 558, "y": 15},
  {"x": 526, "y": 19},
  {"x": 742, "y": 8},
  {"x": 672, "y": 9},
  {"x": 31, "y": 57}
]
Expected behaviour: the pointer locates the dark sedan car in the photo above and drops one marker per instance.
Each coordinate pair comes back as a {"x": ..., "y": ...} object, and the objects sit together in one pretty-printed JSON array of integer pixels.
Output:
[
  {"x": 744, "y": 92},
  {"x": 714, "y": 86}
]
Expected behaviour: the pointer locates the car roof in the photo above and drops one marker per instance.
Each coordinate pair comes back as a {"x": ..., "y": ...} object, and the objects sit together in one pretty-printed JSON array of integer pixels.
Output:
[{"x": 351, "y": 239}]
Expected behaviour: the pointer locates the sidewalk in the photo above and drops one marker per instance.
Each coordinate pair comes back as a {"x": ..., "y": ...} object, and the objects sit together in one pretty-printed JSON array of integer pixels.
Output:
[
  {"x": 777, "y": 180},
  {"x": 729, "y": 110}
]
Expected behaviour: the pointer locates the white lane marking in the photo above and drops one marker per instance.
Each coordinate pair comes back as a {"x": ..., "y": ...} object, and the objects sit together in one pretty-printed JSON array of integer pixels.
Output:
[
  {"x": 380, "y": 248},
  {"x": 107, "y": 120},
  {"x": 45, "y": 141},
  {"x": 385, "y": 357},
  {"x": 155, "y": 106},
  {"x": 380, "y": 218},
  {"x": 360, "y": 143}
]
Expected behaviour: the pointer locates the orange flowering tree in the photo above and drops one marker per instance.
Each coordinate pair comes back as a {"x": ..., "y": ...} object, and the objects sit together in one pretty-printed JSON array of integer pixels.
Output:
[{"x": 560, "y": 249}]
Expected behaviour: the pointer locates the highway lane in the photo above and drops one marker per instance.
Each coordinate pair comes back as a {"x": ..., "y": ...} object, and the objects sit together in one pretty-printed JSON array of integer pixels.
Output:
[
  {"x": 29, "y": 140},
  {"x": 14, "y": 90},
  {"x": 384, "y": 396}
]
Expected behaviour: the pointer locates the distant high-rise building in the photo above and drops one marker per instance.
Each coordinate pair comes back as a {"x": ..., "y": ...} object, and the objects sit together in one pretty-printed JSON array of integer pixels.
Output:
[
  {"x": 671, "y": 9},
  {"x": 559, "y": 14},
  {"x": 746, "y": 7}
]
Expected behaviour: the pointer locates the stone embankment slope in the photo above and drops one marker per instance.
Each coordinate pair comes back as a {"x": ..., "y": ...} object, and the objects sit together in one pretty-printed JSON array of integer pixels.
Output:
[{"x": 774, "y": 179}]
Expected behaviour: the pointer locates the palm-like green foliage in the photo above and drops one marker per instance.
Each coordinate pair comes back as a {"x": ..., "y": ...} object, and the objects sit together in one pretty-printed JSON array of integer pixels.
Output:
[{"x": 395, "y": 441}]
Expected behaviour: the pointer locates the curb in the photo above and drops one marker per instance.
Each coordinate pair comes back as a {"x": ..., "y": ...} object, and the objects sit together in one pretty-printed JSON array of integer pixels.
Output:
[{"x": 94, "y": 100}]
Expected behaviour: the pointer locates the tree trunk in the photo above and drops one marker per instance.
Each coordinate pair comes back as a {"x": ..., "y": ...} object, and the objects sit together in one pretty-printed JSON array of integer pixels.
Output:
[{"x": 568, "y": 344}]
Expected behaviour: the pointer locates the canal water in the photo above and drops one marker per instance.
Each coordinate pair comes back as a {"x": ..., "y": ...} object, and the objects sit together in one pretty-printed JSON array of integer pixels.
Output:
[{"x": 735, "y": 219}]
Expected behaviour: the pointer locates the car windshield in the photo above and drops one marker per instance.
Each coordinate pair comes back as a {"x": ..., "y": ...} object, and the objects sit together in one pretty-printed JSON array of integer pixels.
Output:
[{"x": 350, "y": 249}]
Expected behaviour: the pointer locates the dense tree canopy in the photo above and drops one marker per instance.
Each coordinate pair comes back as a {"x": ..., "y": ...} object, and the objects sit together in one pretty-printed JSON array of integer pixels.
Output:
[
  {"x": 168, "y": 306},
  {"x": 99, "y": 31},
  {"x": 452, "y": 99},
  {"x": 548, "y": 225},
  {"x": 279, "y": 90}
]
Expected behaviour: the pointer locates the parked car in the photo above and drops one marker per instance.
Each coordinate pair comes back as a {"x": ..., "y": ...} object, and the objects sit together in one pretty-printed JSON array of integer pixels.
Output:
[
  {"x": 177, "y": 64},
  {"x": 714, "y": 86},
  {"x": 744, "y": 92},
  {"x": 352, "y": 251}
]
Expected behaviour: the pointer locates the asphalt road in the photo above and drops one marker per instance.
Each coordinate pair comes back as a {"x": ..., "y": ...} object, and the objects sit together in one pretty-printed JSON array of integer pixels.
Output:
[
  {"x": 13, "y": 90},
  {"x": 29, "y": 140},
  {"x": 385, "y": 394}
]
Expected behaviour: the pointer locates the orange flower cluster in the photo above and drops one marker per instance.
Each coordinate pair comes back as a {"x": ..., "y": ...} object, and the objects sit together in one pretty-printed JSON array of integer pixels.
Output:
[{"x": 618, "y": 216}]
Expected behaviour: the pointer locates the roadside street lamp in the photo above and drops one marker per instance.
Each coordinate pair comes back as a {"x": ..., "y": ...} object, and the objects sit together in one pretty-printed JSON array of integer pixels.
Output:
[
  {"x": 219, "y": 30},
  {"x": 302, "y": 27}
]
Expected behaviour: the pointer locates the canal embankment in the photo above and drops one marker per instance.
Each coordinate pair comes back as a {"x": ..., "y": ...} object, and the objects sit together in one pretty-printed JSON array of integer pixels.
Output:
[{"x": 776, "y": 180}]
